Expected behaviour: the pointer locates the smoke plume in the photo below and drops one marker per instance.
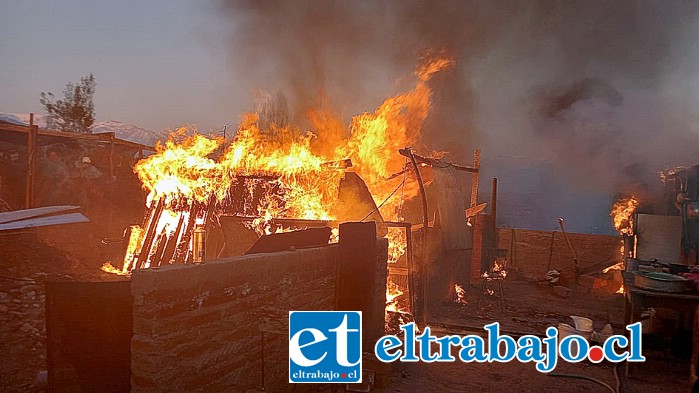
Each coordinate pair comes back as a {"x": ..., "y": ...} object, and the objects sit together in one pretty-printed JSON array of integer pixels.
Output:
[{"x": 576, "y": 100}]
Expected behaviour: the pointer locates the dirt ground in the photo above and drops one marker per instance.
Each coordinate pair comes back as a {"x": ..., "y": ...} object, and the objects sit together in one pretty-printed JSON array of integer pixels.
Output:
[
  {"x": 530, "y": 309},
  {"x": 76, "y": 251}
]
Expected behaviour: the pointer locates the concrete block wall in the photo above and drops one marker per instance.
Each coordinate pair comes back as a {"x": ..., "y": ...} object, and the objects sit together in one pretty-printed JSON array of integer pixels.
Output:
[{"x": 200, "y": 327}]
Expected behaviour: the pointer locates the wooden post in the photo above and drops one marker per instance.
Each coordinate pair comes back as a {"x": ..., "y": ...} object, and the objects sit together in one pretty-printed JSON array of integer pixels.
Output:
[
  {"x": 111, "y": 156},
  {"x": 490, "y": 229},
  {"x": 355, "y": 287},
  {"x": 494, "y": 213},
  {"x": 513, "y": 247},
  {"x": 494, "y": 201},
  {"x": 570, "y": 246},
  {"x": 31, "y": 163},
  {"x": 474, "y": 181},
  {"x": 553, "y": 239}
]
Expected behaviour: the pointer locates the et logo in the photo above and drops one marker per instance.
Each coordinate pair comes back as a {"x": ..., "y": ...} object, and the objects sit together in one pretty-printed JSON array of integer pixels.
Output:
[{"x": 325, "y": 346}]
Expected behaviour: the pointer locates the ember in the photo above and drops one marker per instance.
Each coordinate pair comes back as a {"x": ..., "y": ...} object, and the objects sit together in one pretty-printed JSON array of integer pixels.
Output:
[
  {"x": 497, "y": 272},
  {"x": 460, "y": 294}
]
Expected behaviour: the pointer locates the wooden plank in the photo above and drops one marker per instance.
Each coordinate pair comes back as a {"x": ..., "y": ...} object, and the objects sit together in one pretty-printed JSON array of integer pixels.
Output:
[
  {"x": 437, "y": 163},
  {"x": 475, "y": 210},
  {"x": 150, "y": 234},
  {"x": 171, "y": 246},
  {"x": 18, "y": 215},
  {"x": 70, "y": 218}
]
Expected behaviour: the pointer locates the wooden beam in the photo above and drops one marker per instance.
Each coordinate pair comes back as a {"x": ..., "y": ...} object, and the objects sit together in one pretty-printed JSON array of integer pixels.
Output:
[
  {"x": 101, "y": 137},
  {"x": 494, "y": 215},
  {"x": 408, "y": 152},
  {"x": 436, "y": 162}
]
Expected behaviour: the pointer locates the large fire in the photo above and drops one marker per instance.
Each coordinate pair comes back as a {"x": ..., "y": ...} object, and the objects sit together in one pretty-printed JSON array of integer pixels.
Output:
[{"x": 285, "y": 172}]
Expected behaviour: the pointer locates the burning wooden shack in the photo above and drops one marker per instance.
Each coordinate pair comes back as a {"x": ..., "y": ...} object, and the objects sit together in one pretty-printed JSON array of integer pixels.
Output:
[{"x": 227, "y": 219}]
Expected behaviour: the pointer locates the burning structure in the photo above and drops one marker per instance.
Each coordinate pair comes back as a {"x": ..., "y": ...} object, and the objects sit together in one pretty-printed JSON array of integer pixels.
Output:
[
  {"x": 270, "y": 177},
  {"x": 268, "y": 193}
]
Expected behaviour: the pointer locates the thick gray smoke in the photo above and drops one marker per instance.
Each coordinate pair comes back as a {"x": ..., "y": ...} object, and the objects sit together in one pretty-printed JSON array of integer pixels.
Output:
[{"x": 570, "y": 102}]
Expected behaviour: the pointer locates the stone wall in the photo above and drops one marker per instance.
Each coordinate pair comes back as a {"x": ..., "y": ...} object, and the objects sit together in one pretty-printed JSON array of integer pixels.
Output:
[{"x": 202, "y": 327}]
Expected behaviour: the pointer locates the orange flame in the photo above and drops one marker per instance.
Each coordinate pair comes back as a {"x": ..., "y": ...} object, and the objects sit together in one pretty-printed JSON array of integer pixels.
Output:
[
  {"x": 498, "y": 271},
  {"x": 393, "y": 292},
  {"x": 460, "y": 294},
  {"x": 622, "y": 214},
  {"x": 397, "y": 244},
  {"x": 197, "y": 170},
  {"x": 135, "y": 239}
]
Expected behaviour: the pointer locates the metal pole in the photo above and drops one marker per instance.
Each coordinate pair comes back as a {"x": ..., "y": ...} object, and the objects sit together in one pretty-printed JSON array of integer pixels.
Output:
[
  {"x": 408, "y": 152},
  {"x": 570, "y": 246}
]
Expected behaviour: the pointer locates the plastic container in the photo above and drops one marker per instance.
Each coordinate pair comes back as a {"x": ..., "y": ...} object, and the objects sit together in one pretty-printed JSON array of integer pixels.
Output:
[
  {"x": 565, "y": 330},
  {"x": 582, "y": 324}
]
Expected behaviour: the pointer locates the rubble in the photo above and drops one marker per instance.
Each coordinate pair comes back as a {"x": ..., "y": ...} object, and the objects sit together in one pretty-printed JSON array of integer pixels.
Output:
[{"x": 562, "y": 291}]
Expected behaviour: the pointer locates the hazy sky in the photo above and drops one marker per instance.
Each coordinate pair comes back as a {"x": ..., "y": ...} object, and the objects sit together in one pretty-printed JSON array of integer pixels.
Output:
[
  {"x": 158, "y": 64},
  {"x": 573, "y": 100}
]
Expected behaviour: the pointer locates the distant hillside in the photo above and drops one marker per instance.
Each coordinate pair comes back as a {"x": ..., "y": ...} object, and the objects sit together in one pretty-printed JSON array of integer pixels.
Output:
[
  {"x": 129, "y": 132},
  {"x": 121, "y": 130},
  {"x": 22, "y": 119}
]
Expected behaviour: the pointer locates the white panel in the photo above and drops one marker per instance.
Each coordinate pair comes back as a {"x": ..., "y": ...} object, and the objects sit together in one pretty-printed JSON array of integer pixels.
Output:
[
  {"x": 70, "y": 218},
  {"x": 17, "y": 215},
  {"x": 658, "y": 237}
]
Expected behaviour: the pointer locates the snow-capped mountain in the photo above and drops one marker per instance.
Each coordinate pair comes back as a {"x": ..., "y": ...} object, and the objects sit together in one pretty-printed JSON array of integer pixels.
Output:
[
  {"x": 129, "y": 132},
  {"x": 22, "y": 119},
  {"x": 121, "y": 130}
]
